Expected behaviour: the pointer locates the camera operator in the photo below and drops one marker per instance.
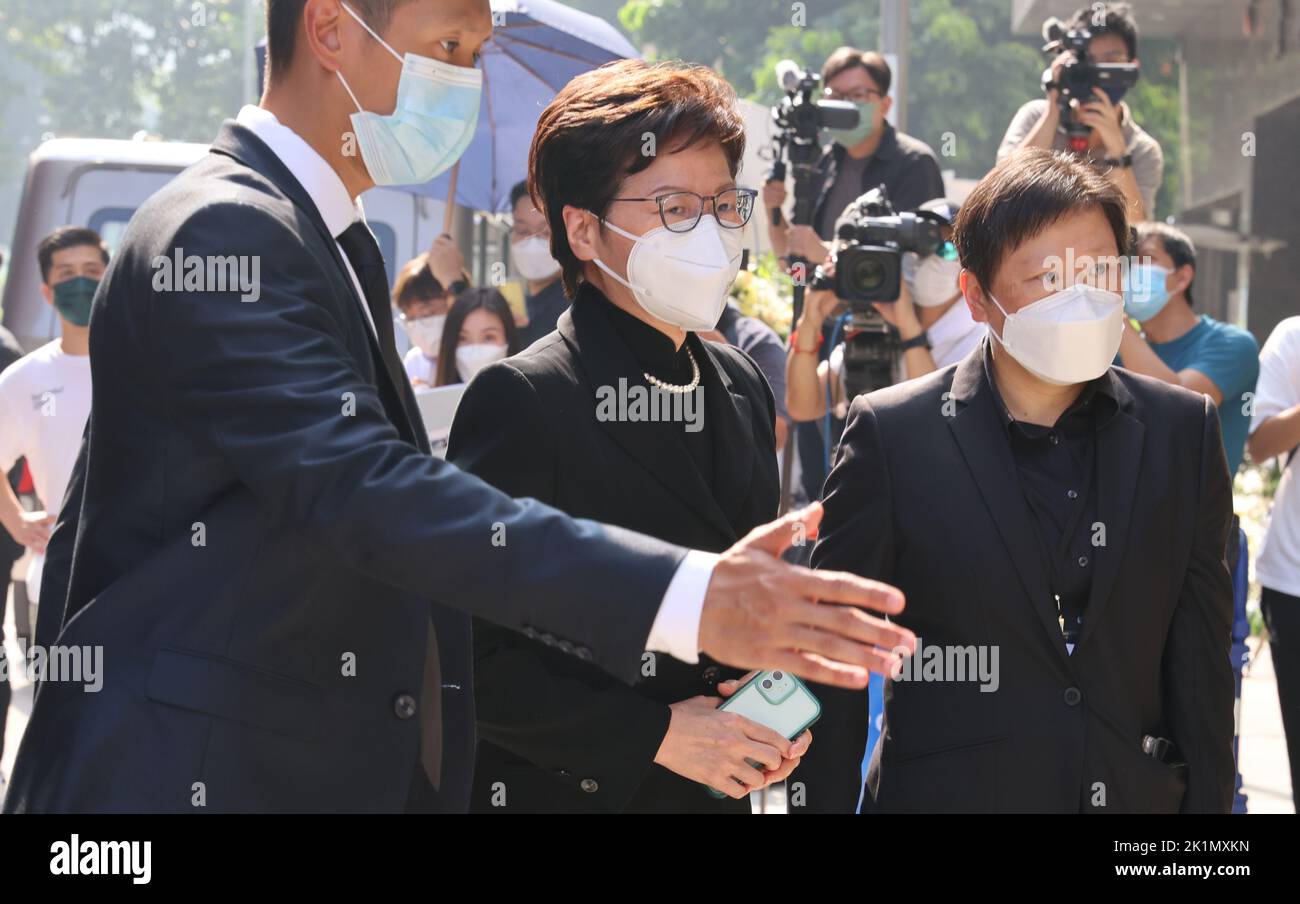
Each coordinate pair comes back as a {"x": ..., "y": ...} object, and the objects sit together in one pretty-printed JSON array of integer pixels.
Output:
[
  {"x": 1130, "y": 157},
  {"x": 934, "y": 326},
  {"x": 858, "y": 159}
]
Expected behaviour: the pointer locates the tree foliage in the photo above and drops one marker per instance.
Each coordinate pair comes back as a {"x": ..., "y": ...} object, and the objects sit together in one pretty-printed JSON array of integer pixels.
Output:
[
  {"x": 107, "y": 68},
  {"x": 968, "y": 72}
]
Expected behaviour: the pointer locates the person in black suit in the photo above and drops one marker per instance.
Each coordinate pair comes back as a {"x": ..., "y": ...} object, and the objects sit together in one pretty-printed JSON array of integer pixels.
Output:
[
  {"x": 1059, "y": 526},
  {"x": 556, "y": 423},
  {"x": 278, "y": 574}
]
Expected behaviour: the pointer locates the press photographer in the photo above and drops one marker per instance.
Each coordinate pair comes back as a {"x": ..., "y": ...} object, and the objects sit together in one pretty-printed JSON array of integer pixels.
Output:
[
  {"x": 1093, "y": 63},
  {"x": 898, "y": 276},
  {"x": 857, "y": 158}
]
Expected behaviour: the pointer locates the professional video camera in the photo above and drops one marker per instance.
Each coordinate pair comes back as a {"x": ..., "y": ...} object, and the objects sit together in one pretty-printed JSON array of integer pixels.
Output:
[
  {"x": 1079, "y": 76},
  {"x": 870, "y": 241},
  {"x": 797, "y": 124},
  {"x": 798, "y": 120}
]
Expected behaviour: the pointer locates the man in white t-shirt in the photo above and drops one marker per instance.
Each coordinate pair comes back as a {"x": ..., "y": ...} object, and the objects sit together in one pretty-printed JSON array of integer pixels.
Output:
[
  {"x": 1275, "y": 430},
  {"x": 45, "y": 396}
]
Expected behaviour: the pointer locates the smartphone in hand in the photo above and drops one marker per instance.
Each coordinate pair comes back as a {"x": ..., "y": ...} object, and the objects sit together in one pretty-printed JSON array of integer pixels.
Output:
[{"x": 776, "y": 700}]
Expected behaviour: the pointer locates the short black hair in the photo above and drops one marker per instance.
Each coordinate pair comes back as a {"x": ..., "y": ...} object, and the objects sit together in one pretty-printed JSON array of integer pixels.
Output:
[
  {"x": 1116, "y": 19},
  {"x": 1027, "y": 192},
  {"x": 591, "y": 135},
  {"x": 845, "y": 58},
  {"x": 519, "y": 191},
  {"x": 66, "y": 237},
  {"x": 1176, "y": 243},
  {"x": 283, "y": 16}
]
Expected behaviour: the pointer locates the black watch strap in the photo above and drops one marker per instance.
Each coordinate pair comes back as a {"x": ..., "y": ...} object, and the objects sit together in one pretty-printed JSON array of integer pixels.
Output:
[
  {"x": 1122, "y": 162},
  {"x": 919, "y": 341}
]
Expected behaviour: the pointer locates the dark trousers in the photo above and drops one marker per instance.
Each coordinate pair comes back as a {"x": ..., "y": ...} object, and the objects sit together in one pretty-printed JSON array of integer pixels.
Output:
[
  {"x": 1282, "y": 615},
  {"x": 5, "y": 667}
]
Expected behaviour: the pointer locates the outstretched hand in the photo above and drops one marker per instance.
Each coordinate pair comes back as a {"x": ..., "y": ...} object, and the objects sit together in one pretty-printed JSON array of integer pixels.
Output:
[{"x": 762, "y": 612}]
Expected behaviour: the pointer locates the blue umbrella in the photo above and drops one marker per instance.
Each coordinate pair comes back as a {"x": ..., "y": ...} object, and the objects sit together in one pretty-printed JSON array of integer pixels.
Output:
[{"x": 537, "y": 46}]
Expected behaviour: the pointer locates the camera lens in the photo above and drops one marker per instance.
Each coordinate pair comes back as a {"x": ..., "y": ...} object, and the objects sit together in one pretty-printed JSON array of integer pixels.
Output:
[
  {"x": 868, "y": 274},
  {"x": 767, "y": 684},
  {"x": 776, "y": 675}
]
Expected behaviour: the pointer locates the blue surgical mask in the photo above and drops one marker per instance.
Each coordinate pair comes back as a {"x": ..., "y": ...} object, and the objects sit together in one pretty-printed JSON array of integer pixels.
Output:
[
  {"x": 1145, "y": 295},
  {"x": 431, "y": 125}
]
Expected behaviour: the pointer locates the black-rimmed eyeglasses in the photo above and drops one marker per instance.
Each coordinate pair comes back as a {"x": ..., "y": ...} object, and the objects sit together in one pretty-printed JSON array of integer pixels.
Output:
[{"x": 681, "y": 210}]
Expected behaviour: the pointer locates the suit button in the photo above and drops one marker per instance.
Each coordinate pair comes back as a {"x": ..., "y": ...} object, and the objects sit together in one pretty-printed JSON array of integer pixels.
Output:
[
  {"x": 1072, "y": 696},
  {"x": 583, "y": 653},
  {"x": 566, "y": 646},
  {"x": 589, "y": 785},
  {"x": 710, "y": 676},
  {"x": 404, "y": 706}
]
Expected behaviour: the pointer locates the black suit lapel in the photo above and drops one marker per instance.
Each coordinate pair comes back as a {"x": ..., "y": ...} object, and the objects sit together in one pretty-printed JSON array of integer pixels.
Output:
[
  {"x": 239, "y": 143},
  {"x": 733, "y": 435},
  {"x": 605, "y": 360},
  {"x": 1119, "y": 459},
  {"x": 980, "y": 432}
]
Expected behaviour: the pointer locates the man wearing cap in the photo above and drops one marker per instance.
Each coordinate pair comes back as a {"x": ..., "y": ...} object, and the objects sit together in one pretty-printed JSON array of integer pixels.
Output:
[{"x": 934, "y": 329}]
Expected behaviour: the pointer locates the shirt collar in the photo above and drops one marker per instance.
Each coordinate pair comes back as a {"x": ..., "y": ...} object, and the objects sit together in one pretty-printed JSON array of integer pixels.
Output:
[
  {"x": 1096, "y": 404},
  {"x": 317, "y": 177}
]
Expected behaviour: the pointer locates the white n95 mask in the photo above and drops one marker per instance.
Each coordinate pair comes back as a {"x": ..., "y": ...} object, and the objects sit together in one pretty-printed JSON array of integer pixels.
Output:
[
  {"x": 431, "y": 124},
  {"x": 1069, "y": 337},
  {"x": 682, "y": 278},
  {"x": 425, "y": 333},
  {"x": 533, "y": 259},
  {"x": 474, "y": 356},
  {"x": 935, "y": 281}
]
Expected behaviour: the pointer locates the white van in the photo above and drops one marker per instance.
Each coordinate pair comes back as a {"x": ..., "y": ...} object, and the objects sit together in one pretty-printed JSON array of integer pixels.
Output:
[{"x": 99, "y": 183}]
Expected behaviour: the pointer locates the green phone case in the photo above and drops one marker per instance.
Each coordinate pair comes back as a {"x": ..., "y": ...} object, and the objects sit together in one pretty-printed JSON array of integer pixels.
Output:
[{"x": 798, "y": 691}]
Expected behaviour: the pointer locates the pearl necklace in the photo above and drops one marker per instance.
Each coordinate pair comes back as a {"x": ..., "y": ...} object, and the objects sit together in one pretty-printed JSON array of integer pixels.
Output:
[{"x": 672, "y": 387}]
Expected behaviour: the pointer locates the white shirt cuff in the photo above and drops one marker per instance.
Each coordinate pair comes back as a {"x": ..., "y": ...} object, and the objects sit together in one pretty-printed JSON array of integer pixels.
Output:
[{"x": 676, "y": 629}]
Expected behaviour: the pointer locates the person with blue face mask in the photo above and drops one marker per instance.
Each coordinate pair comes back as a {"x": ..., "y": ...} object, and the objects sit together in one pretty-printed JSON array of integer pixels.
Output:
[
  {"x": 1179, "y": 346},
  {"x": 279, "y": 574},
  {"x": 1129, "y": 156},
  {"x": 853, "y": 162}
]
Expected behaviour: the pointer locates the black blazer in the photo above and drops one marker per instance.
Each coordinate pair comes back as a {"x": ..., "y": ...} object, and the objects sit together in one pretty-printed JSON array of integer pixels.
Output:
[
  {"x": 925, "y": 495},
  {"x": 254, "y": 533},
  {"x": 557, "y": 734}
]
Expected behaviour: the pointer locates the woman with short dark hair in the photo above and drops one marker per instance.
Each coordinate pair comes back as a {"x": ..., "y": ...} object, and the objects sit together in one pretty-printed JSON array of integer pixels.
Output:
[{"x": 625, "y": 415}]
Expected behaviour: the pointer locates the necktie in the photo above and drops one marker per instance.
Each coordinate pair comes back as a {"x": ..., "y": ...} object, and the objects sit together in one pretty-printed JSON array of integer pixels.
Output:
[{"x": 358, "y": 243}]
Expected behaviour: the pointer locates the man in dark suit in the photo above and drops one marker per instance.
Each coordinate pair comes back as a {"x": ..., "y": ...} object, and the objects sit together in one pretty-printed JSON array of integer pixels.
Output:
[
  {"x": 255, "y": 531},
  {"x": 1059, "y": 528}
]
